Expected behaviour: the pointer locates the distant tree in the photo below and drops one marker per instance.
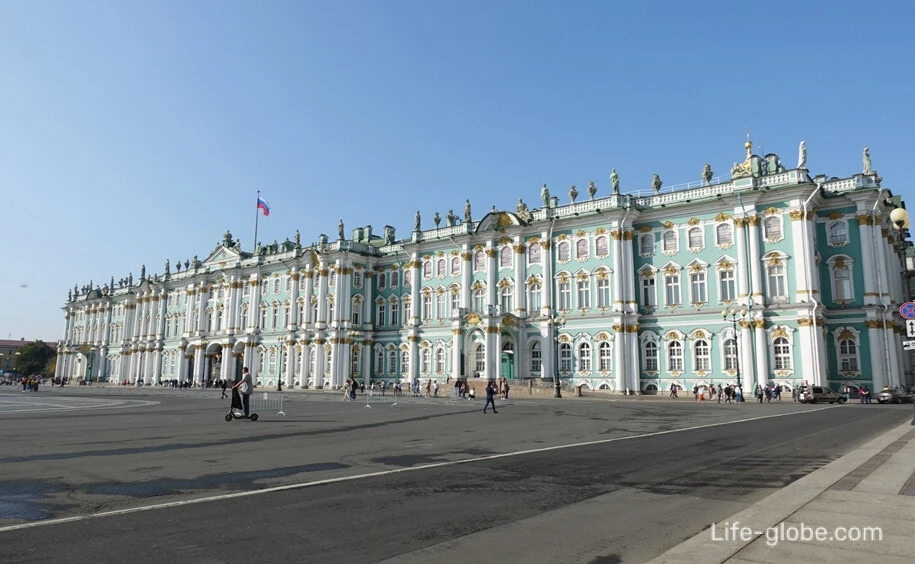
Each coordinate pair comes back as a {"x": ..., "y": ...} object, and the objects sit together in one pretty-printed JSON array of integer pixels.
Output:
[
  {"x": 33, "y": 358},
  {"x": 51, "y": 367}
]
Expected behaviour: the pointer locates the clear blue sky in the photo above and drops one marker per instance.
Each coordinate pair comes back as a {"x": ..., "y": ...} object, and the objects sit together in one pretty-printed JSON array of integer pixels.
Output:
[{"x": 134, "y": 132}]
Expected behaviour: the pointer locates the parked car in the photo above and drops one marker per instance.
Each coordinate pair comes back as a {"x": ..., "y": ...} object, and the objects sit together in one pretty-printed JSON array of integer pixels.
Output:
[
  {"x": 821, "y": 394},
  {"x": 894, "y": 396}
]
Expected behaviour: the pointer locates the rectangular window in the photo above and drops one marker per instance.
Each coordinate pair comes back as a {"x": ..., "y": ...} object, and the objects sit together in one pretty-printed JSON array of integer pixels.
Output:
[
  {"x": 649, "y": 296},
  {"x": 565, "y": 296},
  {"x": 536, "y": 360},
  {"x": 565, "y": 357},
  {"x": 651, "y": 357},
  {"x": 441, "y": 308},
  {"x": 533, "y": 253},
  {"x": 584, "y": 294},
  {"x": 535, "y": 300},
  {"x": 776, "y": 278},
  {"x": 842, "y": 277},
  {"x": 672, "y": 289},
  {"x": 603, "y": 292},
  {"x": 697, "y": 286},
  {"x": 427, "y": 306},
  {"x": 726, "y": 287}
]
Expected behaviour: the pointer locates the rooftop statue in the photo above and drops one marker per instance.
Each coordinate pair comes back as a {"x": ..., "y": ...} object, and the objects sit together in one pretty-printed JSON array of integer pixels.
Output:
[
  {"x": 615, "y": 181},
  {"x": 545, "y": 196},
  {"x": 167, "y": 267},
  {"x": 298, "y": 238},
  {"x": 450, "y": 219},
  {"x": 592, "y": 190},
  {"x": 340, "y": 230},
  {"x": 866, "y": 157},
  {"x": 573, "y": 193},
  {"x": 416, "y": 221},
  {"x": 707, "y": 174},
  {"x": 656, "y": 183},
  {"x": 467, "y": 212},
  {"x": 436, "y": 219},
  {"x": 802, "y": 155}
]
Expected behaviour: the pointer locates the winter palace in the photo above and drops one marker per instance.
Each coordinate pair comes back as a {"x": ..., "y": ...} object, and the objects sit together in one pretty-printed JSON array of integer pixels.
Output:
[{"x": 764, "y": 275}]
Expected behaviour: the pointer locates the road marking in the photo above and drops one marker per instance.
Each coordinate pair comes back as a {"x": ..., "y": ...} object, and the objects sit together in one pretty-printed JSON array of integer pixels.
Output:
[{"x": 303, "y": 485}]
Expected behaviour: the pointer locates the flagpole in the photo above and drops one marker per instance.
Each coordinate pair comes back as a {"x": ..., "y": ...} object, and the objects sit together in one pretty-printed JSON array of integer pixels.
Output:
[{"x": 257, "y": 213}]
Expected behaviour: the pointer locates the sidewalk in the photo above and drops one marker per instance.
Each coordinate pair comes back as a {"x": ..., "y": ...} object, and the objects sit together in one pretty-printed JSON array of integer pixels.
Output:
[{"x": 866, "y": 493}]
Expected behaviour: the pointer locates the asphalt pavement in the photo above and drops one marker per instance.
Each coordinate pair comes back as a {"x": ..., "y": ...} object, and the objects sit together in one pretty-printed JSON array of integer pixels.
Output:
[{"x": 569, "y": 480}]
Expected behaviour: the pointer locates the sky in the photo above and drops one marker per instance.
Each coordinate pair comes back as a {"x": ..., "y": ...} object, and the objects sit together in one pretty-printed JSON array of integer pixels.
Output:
[{"x": 135, "y": 132}]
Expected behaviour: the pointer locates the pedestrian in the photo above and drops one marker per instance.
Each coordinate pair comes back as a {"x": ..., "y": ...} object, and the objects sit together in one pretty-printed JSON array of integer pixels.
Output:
[
  {"x": 490, "y": 397},
  {"x": 225, "y": 384},
  {"x": 245, "y": 387}
]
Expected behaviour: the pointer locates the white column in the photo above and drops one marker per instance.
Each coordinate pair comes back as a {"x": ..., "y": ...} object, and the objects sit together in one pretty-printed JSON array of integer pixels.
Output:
[
  {"x": 309, "y": 294},
  {"x": 619, "y": 357},
  {"x": 322, "y": 296},
  {"x": 306, "y": 363},
  {"x": 761, "y": 375},
  {"x": 807, "y": 335},
  {"x": 492, "y": 274},
  {"x": 290, "y": 361},
  {"x": 520, "y": 278},
  {"x": 292, "y": 323},
  {"x": 878, "y": 362},
  {"x": 199, "y": 364},
  {"x": 415, "y": 274},
  {"x": 156, "y": 376},
  {"x": 466, "y": 276},
  {"x": 743, "y": 262},
  {"x": 756, "y": 284},
  {"x": 456, "y": 335},
  {"x": 618, "y": 285},
  {"x": 547, "y": 307},
  {"x": 636, "y": 380}
]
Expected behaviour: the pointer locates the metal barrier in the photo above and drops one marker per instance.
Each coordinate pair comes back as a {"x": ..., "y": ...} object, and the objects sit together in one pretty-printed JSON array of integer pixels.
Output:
[
  {"x": 373, "y": 397},
  {"x": 267, "y": 401}
]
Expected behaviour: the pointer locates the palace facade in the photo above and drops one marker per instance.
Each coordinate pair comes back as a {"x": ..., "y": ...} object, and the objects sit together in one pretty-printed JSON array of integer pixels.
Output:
[{"x": 623, "y": 292}]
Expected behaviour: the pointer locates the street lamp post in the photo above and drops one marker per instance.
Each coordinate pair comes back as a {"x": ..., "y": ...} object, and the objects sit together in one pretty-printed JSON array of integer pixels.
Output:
[
  {"x": 733, "y": 313},
  {"x": 356, "y": 336},
  {"x": 558, "y": 323},
  {"x": 899, "y": 217}
]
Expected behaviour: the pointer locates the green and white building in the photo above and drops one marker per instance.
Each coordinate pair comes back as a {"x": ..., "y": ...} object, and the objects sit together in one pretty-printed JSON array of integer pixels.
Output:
[{"x": 619, "y": 291}]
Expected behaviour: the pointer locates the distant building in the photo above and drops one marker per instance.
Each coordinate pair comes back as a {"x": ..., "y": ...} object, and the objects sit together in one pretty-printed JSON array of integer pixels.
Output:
[
  {"x": 8, "y": 350},
  {"x": 619, "y": 291}
]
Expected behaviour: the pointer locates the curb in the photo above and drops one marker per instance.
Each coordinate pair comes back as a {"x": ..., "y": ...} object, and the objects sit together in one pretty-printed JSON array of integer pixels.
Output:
[{"x": 778, "y": 506}]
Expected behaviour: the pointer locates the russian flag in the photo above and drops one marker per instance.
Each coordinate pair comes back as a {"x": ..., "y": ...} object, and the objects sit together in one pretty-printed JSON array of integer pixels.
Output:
[{"x": 262, "y": 205}]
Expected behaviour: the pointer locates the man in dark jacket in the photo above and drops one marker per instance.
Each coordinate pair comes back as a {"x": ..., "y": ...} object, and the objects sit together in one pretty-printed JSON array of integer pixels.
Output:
[{"x": 490, "y": 399}]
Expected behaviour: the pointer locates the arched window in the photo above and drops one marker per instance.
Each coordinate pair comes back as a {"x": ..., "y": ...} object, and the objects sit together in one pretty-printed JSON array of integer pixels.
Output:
[
  {"x": 533, "y": 253},
  {"x": 646, "y": 244},
  {"x": 536, "y": 357},
  {"x": 427, "y": 305},
  {"x": 479, "y": 360},
  {"x": 404, "y": 362},
  {"x": 382, "y": 280},
  {"x": 603, "y": 355},
  {"x": 395, "y": 278},
  {"x": 427, "y": 269},
  {"x": 781, "y": 351},
  {"x": 670, "y": 241},
  {"x": 562, "y": 251},
  {"x": 837, "y": 233},
  {"x": 772, "y": 227},
  {"x": 601, "y": 246},
  {"x": 675, "y": 356},
  {"x": 505, "y": 257},
  {"x": 701, "y": 356},
  {"x": 696, "y": 240},
  {"x": 455, "y": 266},
  {"x": 651, "y": 356},
  {"x": 426, "y": 361},
  {"x": 584, "y": 357},
  {"x": 581, "y": 249},
  {"x": 379, "y": 361},
  {"x": 440, "y": 360},
  {"x": 565, "y": 357},
  {"x": 724, "y": 235},
  {"x": 356, "y": 310},
  {"x": 440, "y": 267},
  {"x": 392, "y": 361},
  {"x": 479, "y": 261},
  {"x": 848, "y": 355}
]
